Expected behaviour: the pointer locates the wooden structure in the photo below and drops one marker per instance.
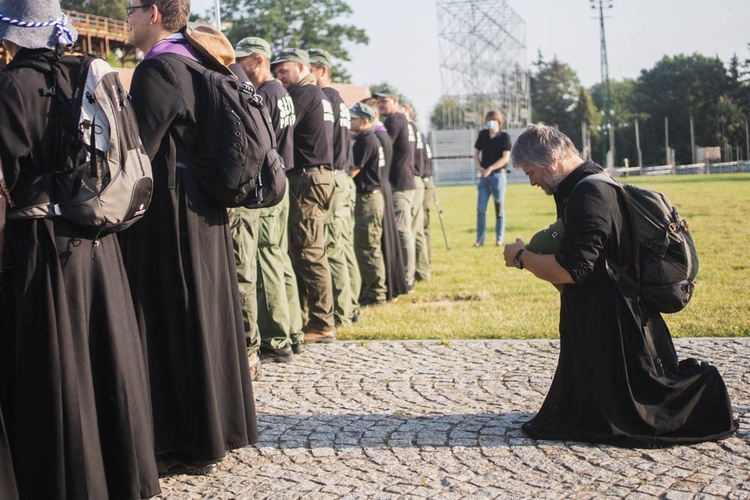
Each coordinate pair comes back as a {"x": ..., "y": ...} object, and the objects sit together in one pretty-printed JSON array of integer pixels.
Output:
[{"x": 96, "y": 34}]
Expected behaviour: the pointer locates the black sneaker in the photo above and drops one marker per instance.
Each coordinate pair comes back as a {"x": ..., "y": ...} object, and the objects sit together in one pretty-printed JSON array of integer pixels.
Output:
[
  {"x": 370, "y": 302},
  {"x": 282, "y": 355},
  {"x": 298, "y": 347}
]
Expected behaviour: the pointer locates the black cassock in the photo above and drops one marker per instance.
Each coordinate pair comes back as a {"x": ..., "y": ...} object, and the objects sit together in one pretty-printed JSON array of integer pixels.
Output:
[
  {"x": 7, "y": 479},
  {"x": 181, "y": 267},
  {"x": 616, "y": 381},
  {"x": 395, "y": 279},
  {"x": 74, "y": 391}
]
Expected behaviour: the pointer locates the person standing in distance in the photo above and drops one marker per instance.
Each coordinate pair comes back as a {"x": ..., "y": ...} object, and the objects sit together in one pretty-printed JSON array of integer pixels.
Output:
[
  {"x": 340, "y": 224},
  {"x": 491, "y": 156},
  {"x": 401, "y": 176},
  {"x": 310, "y": 191},
  {"x": 279, "y": 316}
]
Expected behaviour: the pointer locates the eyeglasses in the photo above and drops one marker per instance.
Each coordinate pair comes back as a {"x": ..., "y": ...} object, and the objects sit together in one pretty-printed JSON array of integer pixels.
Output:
[{"x": 130, "y": 8}]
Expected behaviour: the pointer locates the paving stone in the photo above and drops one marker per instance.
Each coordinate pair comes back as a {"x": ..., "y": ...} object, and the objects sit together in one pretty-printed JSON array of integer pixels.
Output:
[{"x": 418, "y": 419}]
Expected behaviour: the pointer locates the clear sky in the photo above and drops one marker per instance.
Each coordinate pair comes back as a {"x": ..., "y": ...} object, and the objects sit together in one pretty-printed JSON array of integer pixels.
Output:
[{"x": 403, "y": 48}]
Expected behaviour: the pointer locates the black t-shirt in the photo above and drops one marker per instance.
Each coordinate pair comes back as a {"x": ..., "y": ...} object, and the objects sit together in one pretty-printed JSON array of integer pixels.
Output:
[
  {"x": 280, "y": 106},
  {"x": 427, "y": 160},
  {"x": 418, "y": 149},
  {"x": 385, "y": 141},
  {"x": 313, "y": 132},
  {"x": 342, "y": 156},
  {"x": 369, "y": 156},
  {"x": 402, "y": 162},
  {"x": 491, "y": 148}
]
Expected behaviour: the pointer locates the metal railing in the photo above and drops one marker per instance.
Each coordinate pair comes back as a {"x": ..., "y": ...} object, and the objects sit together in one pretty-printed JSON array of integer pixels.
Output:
[{"x": 99, "y": 25}]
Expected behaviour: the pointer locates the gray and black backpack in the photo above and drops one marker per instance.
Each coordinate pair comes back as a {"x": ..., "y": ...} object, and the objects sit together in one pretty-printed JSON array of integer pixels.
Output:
[
  {"x": 666, "y": 262},
  {"x": 102, "y": 175}
]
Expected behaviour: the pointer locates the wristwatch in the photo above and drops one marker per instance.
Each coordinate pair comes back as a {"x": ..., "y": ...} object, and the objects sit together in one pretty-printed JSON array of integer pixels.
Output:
[{"x": 517, "y": 258}]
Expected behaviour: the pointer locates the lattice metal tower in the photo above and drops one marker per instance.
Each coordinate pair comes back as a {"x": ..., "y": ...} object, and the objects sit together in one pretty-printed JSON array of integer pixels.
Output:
[{"x": 482, "y": 63}]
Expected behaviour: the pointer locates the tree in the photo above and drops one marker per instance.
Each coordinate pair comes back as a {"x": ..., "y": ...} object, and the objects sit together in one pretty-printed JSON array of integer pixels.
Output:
[
  {"x": 555, "y": 89},
  {"x": 107, "y": 8},
  {"x": 296, "y": 23},
  {"x": 680, "y": 87}
]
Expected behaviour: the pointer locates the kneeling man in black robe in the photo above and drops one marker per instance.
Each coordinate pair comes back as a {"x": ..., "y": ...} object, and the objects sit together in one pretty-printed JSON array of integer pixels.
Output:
[{"x": 616, "y": 381}]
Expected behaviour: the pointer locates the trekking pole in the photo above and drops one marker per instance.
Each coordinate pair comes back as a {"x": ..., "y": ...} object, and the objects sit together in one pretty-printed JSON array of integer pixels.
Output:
[{"x": 440, "y": 216}]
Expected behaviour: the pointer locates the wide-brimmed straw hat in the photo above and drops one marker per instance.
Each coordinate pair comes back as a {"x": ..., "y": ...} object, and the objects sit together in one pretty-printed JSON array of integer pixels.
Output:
[{"x": 35, "y": 24}]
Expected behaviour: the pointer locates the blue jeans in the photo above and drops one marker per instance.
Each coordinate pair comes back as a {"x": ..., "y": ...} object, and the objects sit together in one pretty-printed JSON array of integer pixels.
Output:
[{"x": 493, "y": 184}]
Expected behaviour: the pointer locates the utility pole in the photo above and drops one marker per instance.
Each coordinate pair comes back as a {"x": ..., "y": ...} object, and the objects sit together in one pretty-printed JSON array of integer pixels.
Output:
[
  {"x": 610, "y": 157},
  {"x": 217, "y": 14}
]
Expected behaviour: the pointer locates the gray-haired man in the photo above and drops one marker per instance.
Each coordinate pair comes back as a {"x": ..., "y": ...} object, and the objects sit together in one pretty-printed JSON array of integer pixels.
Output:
[{"x": 618, "y": 379}]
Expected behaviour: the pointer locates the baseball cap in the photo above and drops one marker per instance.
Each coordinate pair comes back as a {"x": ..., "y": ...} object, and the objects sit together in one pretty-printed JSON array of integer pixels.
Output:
[
  {"x": 547, "y": 241},
  {"x": 386, "y": 92},
  {"x": 362, "y": 110},
  {"x": 320, "y": 56},
  {"x": 252, "y": 45},
  {"x": 292, "y": 55}
]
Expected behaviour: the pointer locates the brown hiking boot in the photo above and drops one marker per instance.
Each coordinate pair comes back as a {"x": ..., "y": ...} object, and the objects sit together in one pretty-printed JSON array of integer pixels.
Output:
[
  {"x": 254, "y": 361},
  {"x": 315, "y": 336}
]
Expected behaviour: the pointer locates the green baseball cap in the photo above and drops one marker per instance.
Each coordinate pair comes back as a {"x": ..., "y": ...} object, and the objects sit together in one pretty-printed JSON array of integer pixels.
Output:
[
  {"x": 292, "y": 55},
  {"x": 362, "y": 110},
  {"x": 386, "y": 92},
  {"x": 320, "y": 56},
  {"x": 252, "y": 45},
  {"x": 547, "y": 241}
]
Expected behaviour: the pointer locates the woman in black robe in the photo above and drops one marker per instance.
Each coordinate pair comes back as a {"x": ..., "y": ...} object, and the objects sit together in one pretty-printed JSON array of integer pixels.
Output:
[{"x": 74, "y": 395}]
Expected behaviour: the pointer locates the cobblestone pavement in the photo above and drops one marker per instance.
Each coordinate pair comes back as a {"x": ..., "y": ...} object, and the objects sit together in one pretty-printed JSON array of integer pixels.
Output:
[{"x": 442, "y": 420}]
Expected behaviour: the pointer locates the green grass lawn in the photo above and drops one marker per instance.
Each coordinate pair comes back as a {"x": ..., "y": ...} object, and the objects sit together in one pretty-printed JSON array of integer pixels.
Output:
[{"x": 473, "y": 295}]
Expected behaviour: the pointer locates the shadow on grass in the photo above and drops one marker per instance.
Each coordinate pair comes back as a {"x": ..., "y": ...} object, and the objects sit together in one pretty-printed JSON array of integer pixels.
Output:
[{"x": 385, "y": 431}]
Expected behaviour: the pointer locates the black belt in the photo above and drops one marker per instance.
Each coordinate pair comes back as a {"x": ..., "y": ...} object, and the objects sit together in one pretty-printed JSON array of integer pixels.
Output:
[
  {"x": 363, "y": 193},
  {"x": 300, "y": 170}
]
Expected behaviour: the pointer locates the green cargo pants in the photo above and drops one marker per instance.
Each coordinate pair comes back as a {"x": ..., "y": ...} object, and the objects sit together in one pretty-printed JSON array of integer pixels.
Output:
[
  {"x": 338, "y": 225},
  {"x": 279, "y": 317},
  {"x": 244, "y": 224},
  {"x": 355, "y": 278},
  {"x": 368, "y": 231},
  {"x": 423, "y": 248},
  {"x": 402, "y": 201},
  {"x": 310, "y": 195}
]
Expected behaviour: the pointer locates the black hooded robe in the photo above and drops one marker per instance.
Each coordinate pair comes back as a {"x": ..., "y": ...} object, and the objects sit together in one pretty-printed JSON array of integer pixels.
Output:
[{"x": 617, "y": 382}]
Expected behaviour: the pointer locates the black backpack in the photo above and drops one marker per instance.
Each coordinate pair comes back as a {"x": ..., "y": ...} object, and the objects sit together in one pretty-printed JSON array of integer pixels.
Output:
[
  {"x": 102, "y": 175},
  {"x": 666, "y": 262},
  {"x": 234, "y": 157}
]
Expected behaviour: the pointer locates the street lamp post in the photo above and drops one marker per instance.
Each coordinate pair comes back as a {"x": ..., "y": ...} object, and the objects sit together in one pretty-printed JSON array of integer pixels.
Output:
[
  {"x": 610, "y": 157},
  {"x": 217, "y": 14}
]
